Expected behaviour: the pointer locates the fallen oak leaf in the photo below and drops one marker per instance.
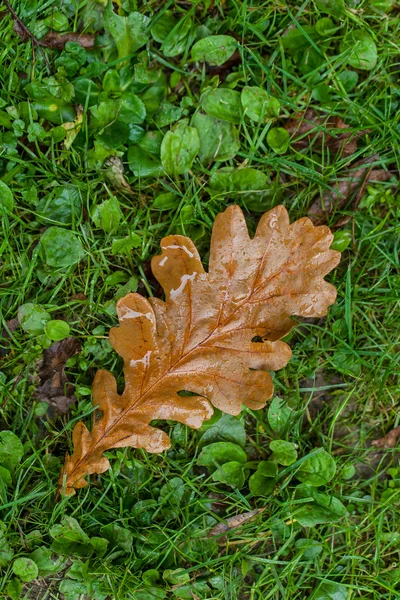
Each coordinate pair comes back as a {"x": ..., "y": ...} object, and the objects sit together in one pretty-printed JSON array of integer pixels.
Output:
[
  {"x": 201, "y": 338},
  {"x": 389, "y": 440}
]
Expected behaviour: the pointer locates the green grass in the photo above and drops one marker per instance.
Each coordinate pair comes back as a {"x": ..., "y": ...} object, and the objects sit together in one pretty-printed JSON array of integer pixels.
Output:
[{"x": 342, "y": 382}]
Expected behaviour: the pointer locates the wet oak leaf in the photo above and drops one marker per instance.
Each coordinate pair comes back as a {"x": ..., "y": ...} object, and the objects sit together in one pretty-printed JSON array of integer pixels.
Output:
[{"x": 200, "y": 338}]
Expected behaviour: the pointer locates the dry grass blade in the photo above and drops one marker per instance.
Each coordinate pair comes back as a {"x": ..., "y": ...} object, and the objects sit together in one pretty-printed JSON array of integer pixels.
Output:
[{"x": 201, "y": 338}]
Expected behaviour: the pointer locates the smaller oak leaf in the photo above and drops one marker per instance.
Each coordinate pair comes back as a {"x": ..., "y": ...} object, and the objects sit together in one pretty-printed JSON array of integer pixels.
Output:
[{"x": 201, "y": 338}]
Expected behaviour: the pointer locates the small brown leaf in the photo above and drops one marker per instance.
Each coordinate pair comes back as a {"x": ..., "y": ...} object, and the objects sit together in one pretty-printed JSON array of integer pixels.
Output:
[
  {"x": 234, "y": 522},
  {"x": 322, "y": 131},
  {"x": 389, "y": 440},
  {"x": 56, "y": 40},
  {"x": 54, "y": 388},
  {"x": 201, "y": 338},
  {"x": 340, "y": 192}
]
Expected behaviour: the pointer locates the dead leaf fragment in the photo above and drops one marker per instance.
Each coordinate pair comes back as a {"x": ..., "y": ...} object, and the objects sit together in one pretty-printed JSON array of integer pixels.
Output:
[
  {"x": 115, "y": 173},
  {"x": 57, "y": 41},
  {"x": 337, "y": 197},
  {"x": 234, "y": 522},
  {"x": 389, "y": 440},
  {"x": 54, "y": 387},
  {"x": 322, "y": 131},
  {"x": 201, "y": 338},
  {"x": 6, "y": 335}
]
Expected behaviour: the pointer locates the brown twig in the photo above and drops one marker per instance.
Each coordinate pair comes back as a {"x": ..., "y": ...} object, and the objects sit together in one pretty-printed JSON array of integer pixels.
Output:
[{"x": 22, "y": 30}]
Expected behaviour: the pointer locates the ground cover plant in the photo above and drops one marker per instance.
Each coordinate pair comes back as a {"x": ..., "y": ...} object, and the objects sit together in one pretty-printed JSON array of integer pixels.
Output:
[{"x": 123, "y": 123}]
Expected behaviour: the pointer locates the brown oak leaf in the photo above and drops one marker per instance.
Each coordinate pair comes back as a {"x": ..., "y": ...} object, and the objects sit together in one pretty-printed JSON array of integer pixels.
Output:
[{"x": 202, "y": 338}]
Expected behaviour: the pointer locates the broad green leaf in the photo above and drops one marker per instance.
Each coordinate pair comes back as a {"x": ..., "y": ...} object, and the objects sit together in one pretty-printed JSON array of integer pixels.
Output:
[
  {"x": 118, "y": 536},
  {"x": 25, "y": 569},
  {"x": 73, "y": 590},
  {"x": 323, "y": 508},
  {"x": 310, "y": 548},
  {"x": 100, "y": 545},
  {"x": 104, "y": 113},
  {"x": 295, "y": 40},
  {"x": 6, "y": 552},
  {"x": 61, "y": 247},
  {"x": 173, "y": 491},
  {"x": 124, "y": 246},
  {"x": 317, "y": 470},
  {"x": 132, "y": 110},
  {"x": 331, "y": 590},
  {"x": 363, "y": 51},
  {"x": 108, "y": 215},
  {"x": 162, "y": 26},
  {"x": 69, "y": 538},
  {"x": 335, "y": 8},
  {"x": 284, "y": 453},
  {"x": 166, "y": 201},
  {"x": 54, "y": 110},
  {"x": 86, "y": 91},
  {"x": 346, "y": 363},
  {"x": 14, "y": 589},
  {"x": 219, "y": 140},
  {"x": 11, "y": 450},
  {"x": 47, "y": 566},
  {"x": 231, "y": 473},
  {"x": 247, "y": 185},
  {"x": 176, "y": 576},
  {"x": 129, "y": 33},
  {"x": 179, "y": 149},
  {"x": 57, "y": 330},
  {"x": 263, "y": 481},
  {"x": 62, "y": 205},
  {"x": 179, "y": 38},
  {"x": 341, "y": 240},
  {"x": 279, "y": 415},
  {"x": 154, "y": 96},
  {"x": 143, "y": 164},
  {"x": 278, "y": 139},
  {"x": 267, "y": 468},
  {"x": 348, "y": 79},
  {"x": 258, "y": 105},
  {"x": 214, "y": 49},
  {"x": 226, "y": 428},
  {"x": 5, "y": 476},
  {"x": 223, "y": 104},
  {"x": 217, "y": 454},
  {"x": 326, "y": 27},
  {"x": 167, "y": 114},
  {"x": 150, "y": 593},
  {"x": 33, "y": 318},
  {"x": 6, "y": 197}
]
